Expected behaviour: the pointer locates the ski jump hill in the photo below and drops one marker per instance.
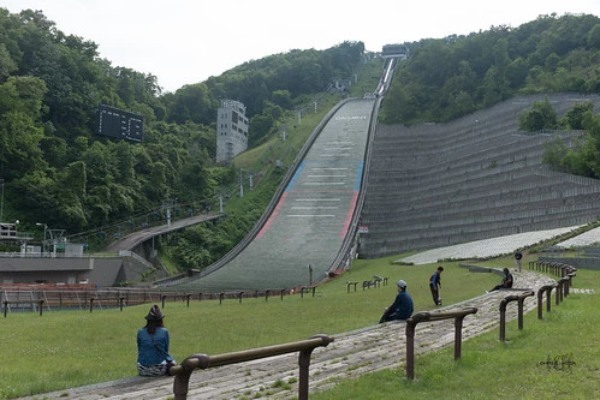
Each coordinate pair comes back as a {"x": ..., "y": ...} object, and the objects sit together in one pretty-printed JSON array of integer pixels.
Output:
[{"x": 370, "y": 190}]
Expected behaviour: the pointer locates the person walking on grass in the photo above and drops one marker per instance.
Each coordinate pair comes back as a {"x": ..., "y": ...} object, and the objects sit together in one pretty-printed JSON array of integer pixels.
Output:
[
  {"x": 153, "y": 346},
  {"x": 435, "y": 284},
  {"x": 401, "y": 308}
]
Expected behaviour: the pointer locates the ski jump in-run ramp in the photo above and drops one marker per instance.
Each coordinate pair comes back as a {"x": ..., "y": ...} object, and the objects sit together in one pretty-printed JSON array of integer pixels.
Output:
[{"x": 299, "y": 241}]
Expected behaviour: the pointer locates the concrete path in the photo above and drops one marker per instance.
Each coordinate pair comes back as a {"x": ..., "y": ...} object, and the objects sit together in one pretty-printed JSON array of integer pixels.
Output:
[{"x": 351, "y": 354}]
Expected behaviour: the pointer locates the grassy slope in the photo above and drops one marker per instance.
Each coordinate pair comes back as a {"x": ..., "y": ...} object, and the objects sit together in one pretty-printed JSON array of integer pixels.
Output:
[
  {"x": 100, "y": 346},
  {"x": 554, "y": 358}
]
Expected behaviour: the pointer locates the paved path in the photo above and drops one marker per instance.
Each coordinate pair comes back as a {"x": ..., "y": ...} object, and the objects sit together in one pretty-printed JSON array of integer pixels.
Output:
[{"x": 351, "y": 354}]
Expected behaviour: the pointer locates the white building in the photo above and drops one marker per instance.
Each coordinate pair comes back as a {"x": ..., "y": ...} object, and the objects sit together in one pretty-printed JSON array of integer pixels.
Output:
[{"x": 232, "y": 130}]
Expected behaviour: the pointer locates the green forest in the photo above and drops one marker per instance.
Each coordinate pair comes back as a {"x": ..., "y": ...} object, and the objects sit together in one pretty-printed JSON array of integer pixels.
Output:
[
  {"x": 453, "y": 76},
  {"x": 54, "y": 168}
]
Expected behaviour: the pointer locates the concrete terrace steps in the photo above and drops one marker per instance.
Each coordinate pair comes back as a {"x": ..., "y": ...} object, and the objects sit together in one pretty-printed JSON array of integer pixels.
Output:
[
  {"x": 351, "y": 355},
  {"x": 541, "y": 202},
  {"x": 547, "y": 198},
  {"x": 468, "y": 179}
]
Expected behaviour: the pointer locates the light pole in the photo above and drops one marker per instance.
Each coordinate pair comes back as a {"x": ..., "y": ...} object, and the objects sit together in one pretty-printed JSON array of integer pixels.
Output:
[{"x": 44, "y": 241}]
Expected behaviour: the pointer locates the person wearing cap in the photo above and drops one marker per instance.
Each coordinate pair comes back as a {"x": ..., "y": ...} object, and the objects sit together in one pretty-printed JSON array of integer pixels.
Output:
[
  {"x": 401, "y": 308},
  {"x": 153, "y": 346}
]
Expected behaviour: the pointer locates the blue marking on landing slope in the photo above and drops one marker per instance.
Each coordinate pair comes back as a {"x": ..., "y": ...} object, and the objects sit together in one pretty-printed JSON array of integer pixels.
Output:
[
  {"x": 295, "y": 177},
  {"x": 359, "y": 173}
]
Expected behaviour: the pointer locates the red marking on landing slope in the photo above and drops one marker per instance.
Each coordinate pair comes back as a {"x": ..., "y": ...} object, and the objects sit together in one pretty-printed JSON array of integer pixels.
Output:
[
  {"x": 273, "y": 216},
  {"x": 349, "y": 214}
]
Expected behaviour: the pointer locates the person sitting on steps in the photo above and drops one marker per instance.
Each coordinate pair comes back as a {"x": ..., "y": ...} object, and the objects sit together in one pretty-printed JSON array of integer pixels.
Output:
[
  {"x": 507, "y": 281},
  {"x": 401, "y": 308}
]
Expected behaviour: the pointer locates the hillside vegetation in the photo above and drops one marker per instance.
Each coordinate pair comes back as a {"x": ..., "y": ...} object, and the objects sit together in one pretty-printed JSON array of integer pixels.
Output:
[
  {"x": 447, "y": 78},
  {"x": 56, "y": 171}
]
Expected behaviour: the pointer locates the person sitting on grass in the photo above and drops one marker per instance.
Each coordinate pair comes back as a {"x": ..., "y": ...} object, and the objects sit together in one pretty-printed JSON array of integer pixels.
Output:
[
  {"x": 401, "y": 308},
  {"x": 507, "y": 281}
]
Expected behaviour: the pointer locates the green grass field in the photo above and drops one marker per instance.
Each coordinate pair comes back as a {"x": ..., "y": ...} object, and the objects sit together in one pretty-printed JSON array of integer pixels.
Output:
[
  {"x": 554, "y": 358},
  {"x": 72, "y": 348}
]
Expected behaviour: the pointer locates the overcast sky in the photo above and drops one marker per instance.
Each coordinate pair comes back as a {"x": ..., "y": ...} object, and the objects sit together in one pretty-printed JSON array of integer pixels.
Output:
[{"x": 187, "y": 41}]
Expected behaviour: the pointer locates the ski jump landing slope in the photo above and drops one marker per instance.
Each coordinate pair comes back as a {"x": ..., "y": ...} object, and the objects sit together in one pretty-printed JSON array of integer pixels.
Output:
[{"x": 304, "y": 233}]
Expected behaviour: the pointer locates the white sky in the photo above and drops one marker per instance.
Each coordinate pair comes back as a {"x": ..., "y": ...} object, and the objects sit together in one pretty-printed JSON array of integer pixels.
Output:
[{"x": 186, "y": 41}]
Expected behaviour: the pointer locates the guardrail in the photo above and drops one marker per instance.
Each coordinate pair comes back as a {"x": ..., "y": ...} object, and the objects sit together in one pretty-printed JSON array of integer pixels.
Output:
[
  {"x": 556, "y": 268},
  {"x": 520, "y": 299},
  {"x": 540, "y": 298},
  {"x": 182, "y": 372},
  {"x": 411, "y": 325},
  {"x": 31, "y": 303}
]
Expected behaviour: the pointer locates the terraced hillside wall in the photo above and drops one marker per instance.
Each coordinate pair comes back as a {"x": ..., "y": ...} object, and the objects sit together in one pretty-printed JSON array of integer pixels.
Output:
[{"x": 474, "y": 178}]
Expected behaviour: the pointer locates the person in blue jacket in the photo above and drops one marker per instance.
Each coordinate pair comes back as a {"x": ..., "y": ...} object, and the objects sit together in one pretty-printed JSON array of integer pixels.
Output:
[
  {"x": 401, "y": 308},
  {"x": 154, "y": 358}
]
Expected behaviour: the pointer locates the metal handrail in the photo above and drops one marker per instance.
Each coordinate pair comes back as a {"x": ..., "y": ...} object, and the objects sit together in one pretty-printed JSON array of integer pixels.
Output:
[
  {"x": 183, "y": 371},
  {"x": 520, "y": 299},
  {"x": 540, "y": 299},
  {"x": 411, "y": 325}
]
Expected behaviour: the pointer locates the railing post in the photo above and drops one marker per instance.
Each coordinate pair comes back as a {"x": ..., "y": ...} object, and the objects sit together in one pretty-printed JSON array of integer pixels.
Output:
[
  {"x": 502, "y": 329},
  {"x": 303, "y": 376},
  {"x": 540, "y": 297},
  {"x": 458, "y": 324},
  {"x": 183, "y": 371},
  {"x": 181, "y": 380},
  {"x": 520, "y": 302},
  {"x": 412, "y": 322},
  {"x": 410, "y": 348}
]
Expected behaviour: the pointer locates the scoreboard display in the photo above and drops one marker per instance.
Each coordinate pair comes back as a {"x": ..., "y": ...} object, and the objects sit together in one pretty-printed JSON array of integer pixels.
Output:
[{"x": 119, "y": 124}]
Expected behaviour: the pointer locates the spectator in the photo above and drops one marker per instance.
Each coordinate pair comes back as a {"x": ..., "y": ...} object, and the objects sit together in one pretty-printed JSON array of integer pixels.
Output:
[
  {"x": 401, "y": 308},
  {"x": 153, "y": 346},
  {"x": 507, "y": 281},
  {"x": 435, "y": 284}
]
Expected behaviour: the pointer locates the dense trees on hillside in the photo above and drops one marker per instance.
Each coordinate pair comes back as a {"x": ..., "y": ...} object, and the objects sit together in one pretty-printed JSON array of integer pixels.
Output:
[
  {"x": 57, "y": 171},
  {"x": 447, "y": 78}
]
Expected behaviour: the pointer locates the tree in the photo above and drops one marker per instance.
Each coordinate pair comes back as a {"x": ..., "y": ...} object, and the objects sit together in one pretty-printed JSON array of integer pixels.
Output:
[
  {"x": 574, "y": 118},
  {"x": 540, "y": 117}
]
